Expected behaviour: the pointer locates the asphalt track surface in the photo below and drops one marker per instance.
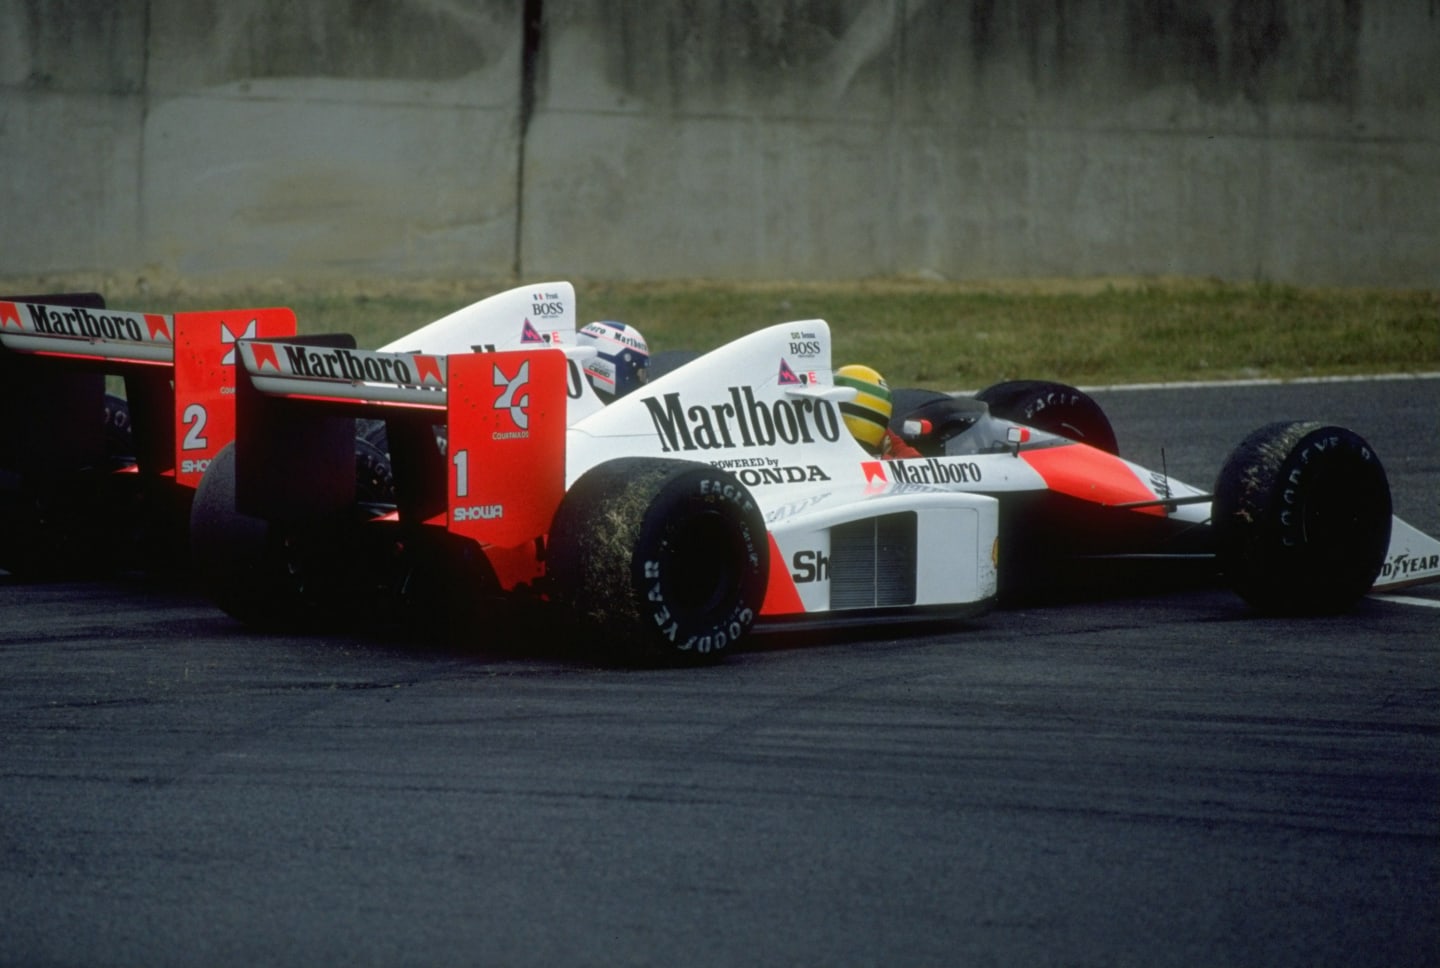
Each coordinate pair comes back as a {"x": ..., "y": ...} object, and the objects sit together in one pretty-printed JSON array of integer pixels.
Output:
[{"x": 1165, "y": 780}]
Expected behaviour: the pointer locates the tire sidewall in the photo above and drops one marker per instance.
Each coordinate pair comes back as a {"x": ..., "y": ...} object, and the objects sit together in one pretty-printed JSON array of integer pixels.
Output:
[
  {"x": 1055, "y": 408},
  {"x": 1302, "y": 518},
  {"x": 721, "y": 500},
  {"x": 619, "y": 552},
  {"x": 1320, "y": 452}
]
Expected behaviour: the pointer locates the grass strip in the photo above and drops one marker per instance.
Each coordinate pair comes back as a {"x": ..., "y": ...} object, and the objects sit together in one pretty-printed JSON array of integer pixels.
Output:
[{"x": 920, "y": 333}]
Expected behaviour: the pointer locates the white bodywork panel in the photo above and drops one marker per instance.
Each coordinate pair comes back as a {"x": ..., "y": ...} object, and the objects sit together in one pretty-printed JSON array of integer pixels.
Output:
[
  {"x": 765, "y": 408},
  {"x": 1413, "y": 558},
  {"x": 954, "y": 550},
  {"x": 540, "y": 314}
]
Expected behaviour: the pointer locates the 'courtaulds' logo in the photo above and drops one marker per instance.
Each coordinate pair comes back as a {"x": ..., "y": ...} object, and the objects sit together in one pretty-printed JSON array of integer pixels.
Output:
[{"x": 512, "y": 398}]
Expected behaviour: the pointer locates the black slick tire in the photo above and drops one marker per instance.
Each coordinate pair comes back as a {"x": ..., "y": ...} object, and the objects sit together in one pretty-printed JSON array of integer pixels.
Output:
[
  {"x": 1054, "y": 408},
  {"x": 232, "y": 553},
  {"x": 661, "y": 561},
  {"x": 1302, "y": 518},
  {"x": 270, "y": 575}
]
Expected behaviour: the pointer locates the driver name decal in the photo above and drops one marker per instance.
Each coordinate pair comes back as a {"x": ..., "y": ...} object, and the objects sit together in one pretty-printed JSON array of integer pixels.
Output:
[
  {"x": 547, "y": 305},
  {"x": 805, "y": 344},
  {"x": 742, "y": 421}
]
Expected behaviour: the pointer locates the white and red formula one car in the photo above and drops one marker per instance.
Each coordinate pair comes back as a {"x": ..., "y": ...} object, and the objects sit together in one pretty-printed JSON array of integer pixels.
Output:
[{"x": 723, "y": 494}]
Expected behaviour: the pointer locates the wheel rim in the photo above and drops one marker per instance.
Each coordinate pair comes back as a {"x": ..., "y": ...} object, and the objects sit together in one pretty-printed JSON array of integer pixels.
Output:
[
  {"x": 1336, "y": 517},
  {"x": 702, "y": 572}
]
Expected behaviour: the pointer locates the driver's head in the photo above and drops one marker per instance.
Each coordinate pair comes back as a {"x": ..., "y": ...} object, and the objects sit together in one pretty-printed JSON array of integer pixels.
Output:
[
  {"x": 620, "y": 360},
  {"x": 868, "y": 415}
]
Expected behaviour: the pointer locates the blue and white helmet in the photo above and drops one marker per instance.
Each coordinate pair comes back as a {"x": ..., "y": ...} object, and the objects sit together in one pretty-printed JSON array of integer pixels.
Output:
[{"x": 621, "y": 357}]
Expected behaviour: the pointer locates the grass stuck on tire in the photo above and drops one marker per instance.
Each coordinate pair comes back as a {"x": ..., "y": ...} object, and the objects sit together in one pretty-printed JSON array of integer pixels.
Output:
[
  {"x": 660, "y": 561},
  {"x": 1302, "y": 518}
]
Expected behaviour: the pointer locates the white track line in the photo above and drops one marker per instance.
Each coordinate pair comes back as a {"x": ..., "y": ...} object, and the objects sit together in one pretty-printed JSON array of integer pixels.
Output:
[
  {"x": 1216, "y": 384},
  {"x": 1267, "y": 382},
  {"x": 1408, "y": 600}
]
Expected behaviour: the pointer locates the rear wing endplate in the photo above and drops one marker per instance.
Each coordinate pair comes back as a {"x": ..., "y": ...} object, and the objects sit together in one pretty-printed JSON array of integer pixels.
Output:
[{"x": 497, "y": 478}]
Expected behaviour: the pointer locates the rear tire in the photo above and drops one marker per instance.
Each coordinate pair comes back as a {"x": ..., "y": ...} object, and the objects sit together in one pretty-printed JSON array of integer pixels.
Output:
[
  {"x": 49, "y": 533},
  {"x": 241, "y": 560},
  {"x": 662, "y": 561},
  {"x": 1054, "y": 408},
  {"x": 77, "y": 524},
  {"x": 288, "y": 575},
  {"x": 1302, "y": 518}
]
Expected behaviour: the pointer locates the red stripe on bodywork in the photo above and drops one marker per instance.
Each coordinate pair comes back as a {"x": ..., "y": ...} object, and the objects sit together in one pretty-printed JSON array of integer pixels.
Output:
[
  {"x": 91, "y": 356},
  {"x": 1091, "y": 475},
  {"x": 781, "y": 595}
]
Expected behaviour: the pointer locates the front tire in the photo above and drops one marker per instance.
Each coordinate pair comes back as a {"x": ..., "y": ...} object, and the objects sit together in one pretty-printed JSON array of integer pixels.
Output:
[
  {"x": 662, "y": 561},
  {"x": 1302, "y": 518}
]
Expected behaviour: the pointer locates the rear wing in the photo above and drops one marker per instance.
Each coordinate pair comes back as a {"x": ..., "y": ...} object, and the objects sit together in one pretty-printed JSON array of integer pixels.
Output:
[
  {"x": 495, "y": 473},
  {"x": 56, "y": 350},
  {"x": 81, "y": 328}
]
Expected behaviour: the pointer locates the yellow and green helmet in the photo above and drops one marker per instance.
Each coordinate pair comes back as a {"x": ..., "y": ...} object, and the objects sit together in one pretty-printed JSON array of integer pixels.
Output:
[{"x": 868, "y": 415}]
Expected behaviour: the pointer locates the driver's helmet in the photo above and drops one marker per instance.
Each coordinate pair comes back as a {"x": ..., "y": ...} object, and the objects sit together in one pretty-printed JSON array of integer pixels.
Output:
[
  {"x": 868, "y": 415},
  {"x": 620, "y": 360}
]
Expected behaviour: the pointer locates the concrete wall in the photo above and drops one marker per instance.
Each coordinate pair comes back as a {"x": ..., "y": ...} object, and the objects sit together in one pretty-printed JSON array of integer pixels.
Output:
[{"x": 1291, "y": 140}]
